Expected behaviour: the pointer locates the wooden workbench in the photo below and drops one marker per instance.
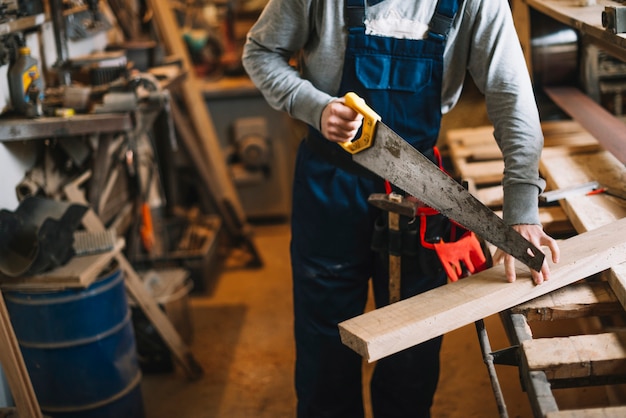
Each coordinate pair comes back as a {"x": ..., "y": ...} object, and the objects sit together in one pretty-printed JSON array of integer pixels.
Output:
[{"x": 586, "y": 19}]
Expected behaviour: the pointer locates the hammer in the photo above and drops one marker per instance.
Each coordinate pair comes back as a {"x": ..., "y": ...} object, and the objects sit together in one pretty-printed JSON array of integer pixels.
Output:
[{"x": 395, "y": 205}]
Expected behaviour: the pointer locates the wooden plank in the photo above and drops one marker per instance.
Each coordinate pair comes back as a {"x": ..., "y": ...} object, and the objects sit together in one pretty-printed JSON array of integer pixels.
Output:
[
  {"x": 608, "y": 412},
  {"x": 605, "y": 127},
  {"x": 586, "y": 212},
  {"x": 15, "y": 369},
  {"x": 475, "y": 154},
  {"x": 616, "y": 277},
  {"x": 574, "y": 301},
  {"x": 79, "y": 272},
  {"x": 492, "y": 196},
  {"x": 589, "y": 212},
  {"x": 483, "y": 172},
  {"x": 566, "y": 133},
  {"x": 578, "y": 356},
  {"x": 555, "y": 221},
  {"x": 521, "y": 19},
  {"x": 390, "y": 329}
]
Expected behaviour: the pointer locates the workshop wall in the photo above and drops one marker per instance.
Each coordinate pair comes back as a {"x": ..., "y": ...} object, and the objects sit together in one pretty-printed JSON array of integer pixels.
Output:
[{"x": 15, "y": 159}]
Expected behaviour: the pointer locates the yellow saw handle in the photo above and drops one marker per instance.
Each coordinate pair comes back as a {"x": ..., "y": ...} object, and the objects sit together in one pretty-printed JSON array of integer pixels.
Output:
[{"x": 368, "y": 129}]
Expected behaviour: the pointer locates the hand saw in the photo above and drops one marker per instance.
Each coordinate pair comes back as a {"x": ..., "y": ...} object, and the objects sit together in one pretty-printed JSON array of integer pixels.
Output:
[{"x": 385, "y": 153}]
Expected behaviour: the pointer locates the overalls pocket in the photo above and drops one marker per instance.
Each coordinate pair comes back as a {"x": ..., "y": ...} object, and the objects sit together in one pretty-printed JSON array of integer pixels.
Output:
[{"x": 383, "y": 72}]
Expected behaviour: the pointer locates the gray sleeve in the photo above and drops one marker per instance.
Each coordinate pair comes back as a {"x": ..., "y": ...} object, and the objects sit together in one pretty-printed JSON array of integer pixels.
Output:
[
  {"x": 499, "y": 70},
  {"x": 284, "y": 29}
]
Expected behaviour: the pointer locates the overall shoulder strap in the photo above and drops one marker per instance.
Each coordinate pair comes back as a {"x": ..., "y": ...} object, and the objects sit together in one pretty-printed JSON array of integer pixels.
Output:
[
  {"x": 354, "y": 13},
  {"x": 441, "y": 22}
]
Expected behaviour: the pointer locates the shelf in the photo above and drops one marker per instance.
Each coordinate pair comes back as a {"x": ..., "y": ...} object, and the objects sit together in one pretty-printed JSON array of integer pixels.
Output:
[
  {"x": 21, "y": 24},
  {"x": 587, "y": 20},
  {"x": 80, "y": 272},
  {"x": 16, "y": 129}
]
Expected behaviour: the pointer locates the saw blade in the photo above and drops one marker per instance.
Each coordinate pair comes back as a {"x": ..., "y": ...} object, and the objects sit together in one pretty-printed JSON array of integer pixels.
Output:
[{"x": 395, "y": 160}]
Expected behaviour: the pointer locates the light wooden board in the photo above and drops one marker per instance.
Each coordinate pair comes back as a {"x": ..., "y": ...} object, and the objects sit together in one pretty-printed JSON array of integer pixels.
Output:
[
  {"x": 589, "y": 212},
  {"x": 577, "y": 356},
  {"x": 475, "y": 154},
  {"x": 610, "y": 412},
  {"x": 14, "y": 368},
  {"x": 492, "y": 197},
  {"x": 605, "y": 127},
  {"x": 586, "y": 212},
  {"x": 393, "y": 328},
  {"x": 79, "y": 272},
  {"x": 574, "y": 301}
]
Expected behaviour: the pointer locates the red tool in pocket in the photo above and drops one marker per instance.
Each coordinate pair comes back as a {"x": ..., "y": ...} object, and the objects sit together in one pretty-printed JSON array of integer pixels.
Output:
[{"x": 458, "y": 256}]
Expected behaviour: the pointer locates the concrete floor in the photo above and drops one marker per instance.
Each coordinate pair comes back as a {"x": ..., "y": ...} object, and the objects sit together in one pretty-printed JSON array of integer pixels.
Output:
[{"x": 243, "y": 339}]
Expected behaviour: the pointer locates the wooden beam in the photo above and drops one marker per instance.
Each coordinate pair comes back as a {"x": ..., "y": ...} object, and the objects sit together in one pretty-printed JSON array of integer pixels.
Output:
[
  {"x": 604, "y": 126},
  {"x": 609, "y": 412},
  {"x": 589, "y": 212},
  {"x": 578, "y": 356},
  {"x": 574, "y": 301},
  {"x": 393, "y": 328},
  {"x": 15, "y": 369}
]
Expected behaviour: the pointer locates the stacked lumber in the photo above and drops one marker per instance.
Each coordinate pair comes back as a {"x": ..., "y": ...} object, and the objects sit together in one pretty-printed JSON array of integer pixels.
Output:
[
  {"x": 575, "y": 339},
  {"x": 476, "y": 159},
  {"x": 572, "y": 356}
]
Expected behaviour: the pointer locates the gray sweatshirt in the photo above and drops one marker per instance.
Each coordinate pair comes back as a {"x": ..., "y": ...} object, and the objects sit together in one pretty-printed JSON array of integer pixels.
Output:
[{"x": 482, "y": 42}]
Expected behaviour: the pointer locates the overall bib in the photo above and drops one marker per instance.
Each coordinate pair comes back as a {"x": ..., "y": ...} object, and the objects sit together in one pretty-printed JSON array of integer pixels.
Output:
[{"x": 333, "y": 225}]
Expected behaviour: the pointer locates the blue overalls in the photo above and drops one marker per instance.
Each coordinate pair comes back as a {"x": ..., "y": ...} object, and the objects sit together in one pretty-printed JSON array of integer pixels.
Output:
[{"x": 332, "y": 228}]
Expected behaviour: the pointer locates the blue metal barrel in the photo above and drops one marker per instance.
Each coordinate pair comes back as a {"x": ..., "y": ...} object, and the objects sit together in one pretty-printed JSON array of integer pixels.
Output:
[{"x": 79, "y": 349}]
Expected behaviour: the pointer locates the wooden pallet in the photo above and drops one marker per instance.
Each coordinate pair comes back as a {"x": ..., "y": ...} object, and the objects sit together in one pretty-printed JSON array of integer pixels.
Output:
[
  {"x": 475, "y": 154},
  {"x": 476, "y": 158},
  {"x": 574, "y": 339},
  {"x": 572, "y": 357}
]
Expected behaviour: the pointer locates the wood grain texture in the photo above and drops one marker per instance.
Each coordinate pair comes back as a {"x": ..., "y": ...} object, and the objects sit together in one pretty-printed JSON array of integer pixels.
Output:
[
  {"x": 574, "y": 301},
  {"x": 605, "y": 127},
  {"x": 589, "y": 212},
  {"x": 609, "y": 412},
  {"x": 14, "y": 367},
  {"x": 577, "y": 356},
  {"x": 388, "y": 330}
]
